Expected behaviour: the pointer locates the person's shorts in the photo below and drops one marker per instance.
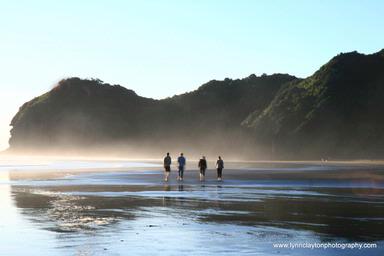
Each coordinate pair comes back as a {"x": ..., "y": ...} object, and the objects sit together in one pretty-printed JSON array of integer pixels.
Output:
[
  {"x": 167, "y": 168},
  {"x": 202, "y": 171}
]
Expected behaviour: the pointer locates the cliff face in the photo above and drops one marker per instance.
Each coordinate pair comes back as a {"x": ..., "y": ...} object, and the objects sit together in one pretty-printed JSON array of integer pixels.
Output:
[
  {"x": 89, "y": 114},
  {"x": 338, "y": 111}
]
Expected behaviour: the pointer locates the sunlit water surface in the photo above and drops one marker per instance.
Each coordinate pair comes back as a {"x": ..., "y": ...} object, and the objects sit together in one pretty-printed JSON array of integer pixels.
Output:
[{"x": 126, "y": 209}]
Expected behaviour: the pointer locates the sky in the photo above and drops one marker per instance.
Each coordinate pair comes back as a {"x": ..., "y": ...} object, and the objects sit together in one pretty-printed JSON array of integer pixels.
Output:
[{"x": 161, "y": 48}]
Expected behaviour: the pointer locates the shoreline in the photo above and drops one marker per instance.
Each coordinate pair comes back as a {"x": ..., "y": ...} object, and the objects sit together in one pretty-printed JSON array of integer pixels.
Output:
[
  {"x": 373, "y": 174},
  {"x": 134, "y": 206},
  {"x": 4, "y": 156}
]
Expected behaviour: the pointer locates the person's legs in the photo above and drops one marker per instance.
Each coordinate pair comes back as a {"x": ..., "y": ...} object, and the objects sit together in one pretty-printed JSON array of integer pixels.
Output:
[
  {"x": 202, "y": 174},
  {"x": 182, "y": 173},
  {"x": 219, "y": 173},
  {"x": 167, "y": 172},
  {"x": 166, "y": 176}
]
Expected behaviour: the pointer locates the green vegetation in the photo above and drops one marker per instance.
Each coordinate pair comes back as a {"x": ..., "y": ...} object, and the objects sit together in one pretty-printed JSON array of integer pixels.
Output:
[
  {"x": 90, "y": 114},
  {"x": 335, "y": 113}
]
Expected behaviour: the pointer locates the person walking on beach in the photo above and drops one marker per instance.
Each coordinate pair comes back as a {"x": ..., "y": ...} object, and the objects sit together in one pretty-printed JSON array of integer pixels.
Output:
[
  {"x": 220, "y": 167},
  {"x": 167, "y": 166},
  {"x": 203, "y": 167},
  {"x": 181, "y": 161}
]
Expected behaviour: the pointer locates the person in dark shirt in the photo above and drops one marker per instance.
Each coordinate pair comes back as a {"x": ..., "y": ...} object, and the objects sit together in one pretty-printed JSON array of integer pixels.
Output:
[
  {"x": 220, "y": 167},
  {"x": 203, "y": 167},
  {"x": 181, "y": 161},
  {"x": 167, "y": 166}
]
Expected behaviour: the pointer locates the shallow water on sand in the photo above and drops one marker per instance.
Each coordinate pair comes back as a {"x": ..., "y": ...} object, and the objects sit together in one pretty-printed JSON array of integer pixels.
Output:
[{"x": 124, "y": 208}]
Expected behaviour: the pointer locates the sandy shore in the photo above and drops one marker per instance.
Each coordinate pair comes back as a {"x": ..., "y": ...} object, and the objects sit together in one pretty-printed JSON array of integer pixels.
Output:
[
  {"x": 114, "y": 207},
  {"x": 236, "y": 171}
]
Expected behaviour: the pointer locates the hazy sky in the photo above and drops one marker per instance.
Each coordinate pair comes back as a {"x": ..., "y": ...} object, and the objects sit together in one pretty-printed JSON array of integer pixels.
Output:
[{"x": 161, "y": 48}]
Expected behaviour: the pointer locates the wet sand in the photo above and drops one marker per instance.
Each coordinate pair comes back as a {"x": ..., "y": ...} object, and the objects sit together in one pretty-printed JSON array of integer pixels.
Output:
[{"x": 131, "y": 210}]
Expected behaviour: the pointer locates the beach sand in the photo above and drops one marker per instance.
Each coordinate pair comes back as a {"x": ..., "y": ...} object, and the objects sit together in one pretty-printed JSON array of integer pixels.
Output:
[{"x": 114, "y": 208}]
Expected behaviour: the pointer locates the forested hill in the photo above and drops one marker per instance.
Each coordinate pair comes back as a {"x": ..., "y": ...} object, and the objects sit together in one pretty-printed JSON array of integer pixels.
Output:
[
  {"x": 88, "y": 114},
  {"x": 335, "y": 113}
]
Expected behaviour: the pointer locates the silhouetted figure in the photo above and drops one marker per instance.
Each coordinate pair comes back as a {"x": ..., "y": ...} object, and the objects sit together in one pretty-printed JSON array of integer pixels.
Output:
[
  {"x": 203, "y": 167},
  {"x": 181, "y": 161},
  {"x": 167, "y": 166},
  {"x": 220, "y": 167}
]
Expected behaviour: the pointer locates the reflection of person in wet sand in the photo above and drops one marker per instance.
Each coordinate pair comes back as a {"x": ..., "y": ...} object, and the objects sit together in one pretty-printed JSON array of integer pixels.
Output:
[
  {"x": 181, "y": 160},
  {"x": 167, "y": 166},
  {"x": 220, "y": 167},
  {"x": 203, "y": 167},
  {"x": 166, "y": 199}
]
